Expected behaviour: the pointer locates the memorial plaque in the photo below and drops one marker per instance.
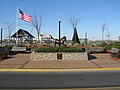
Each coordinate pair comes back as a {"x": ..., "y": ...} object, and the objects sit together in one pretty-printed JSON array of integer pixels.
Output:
[{"x": 59, "y": 56}]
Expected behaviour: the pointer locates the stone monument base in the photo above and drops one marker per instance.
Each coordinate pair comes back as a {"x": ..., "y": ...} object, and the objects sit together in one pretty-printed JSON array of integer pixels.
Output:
[{"x": 58, "y": 56}]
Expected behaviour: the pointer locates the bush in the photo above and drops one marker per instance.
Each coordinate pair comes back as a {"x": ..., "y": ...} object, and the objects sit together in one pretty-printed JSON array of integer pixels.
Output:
[
  {"x": 8, "y": 47},
  {"x": 69, "y": 45},
  {"x": 22, "y": 45},
  {"x": 115, "y": 55},
  {"x": 59, "y": 49},
  {"x": 112, "y": 45}
]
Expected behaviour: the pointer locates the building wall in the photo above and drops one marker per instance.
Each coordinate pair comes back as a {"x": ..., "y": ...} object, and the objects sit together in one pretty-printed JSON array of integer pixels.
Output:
[
  {"x": 45, "y": 38},
  {"x": 26, "y": 40}
]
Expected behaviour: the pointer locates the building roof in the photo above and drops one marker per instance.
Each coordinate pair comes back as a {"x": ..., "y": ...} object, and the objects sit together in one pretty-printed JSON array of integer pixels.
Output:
[{"x": 22, "y": 33}]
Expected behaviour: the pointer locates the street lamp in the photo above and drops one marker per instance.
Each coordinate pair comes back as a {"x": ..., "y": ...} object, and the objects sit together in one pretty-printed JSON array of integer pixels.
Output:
[{"x": 59, "y": 21}]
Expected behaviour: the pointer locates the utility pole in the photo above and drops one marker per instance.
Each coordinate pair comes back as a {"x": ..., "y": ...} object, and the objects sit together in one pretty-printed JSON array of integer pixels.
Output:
[
  {"x": 93, "y": 38},
  {"x": 85, "y": 38},
  {"x": 119, "y": 38},
  {"x": 1, "y": 36},
  {"x": 59, "y": 21}
]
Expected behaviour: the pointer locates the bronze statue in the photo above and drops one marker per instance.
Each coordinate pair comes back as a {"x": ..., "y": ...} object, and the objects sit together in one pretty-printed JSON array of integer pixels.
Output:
[{"x": 62, "y": 41}]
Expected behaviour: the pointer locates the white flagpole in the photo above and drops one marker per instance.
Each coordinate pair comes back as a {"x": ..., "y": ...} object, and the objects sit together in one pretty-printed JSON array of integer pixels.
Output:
[{"x": 17, "y": 26}]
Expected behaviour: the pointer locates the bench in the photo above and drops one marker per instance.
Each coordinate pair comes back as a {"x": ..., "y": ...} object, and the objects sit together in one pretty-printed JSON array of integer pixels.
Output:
[
  {"x": 18, "y": 49},
  {"x": 114, "y": 50}
]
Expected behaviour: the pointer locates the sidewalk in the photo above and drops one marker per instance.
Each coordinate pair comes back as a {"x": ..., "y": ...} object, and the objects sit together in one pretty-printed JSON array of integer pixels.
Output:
[
  {"x": 22, "y": 61},
  {"x": 15, "y": 61},
  {"x": 105, "y": 61}
]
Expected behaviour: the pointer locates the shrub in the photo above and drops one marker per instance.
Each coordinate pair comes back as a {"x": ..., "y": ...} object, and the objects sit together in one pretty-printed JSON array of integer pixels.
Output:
[
  {"x": 69, "y": 45},
  {"x": 112, "y": 45},
  {"x": 59, "y": 49},
  {"x": 8, "y": 47},
  {"x": 76, "y": 45},
  {"x": 22, "y": 45},
  {"x": 115, "y": 55}
]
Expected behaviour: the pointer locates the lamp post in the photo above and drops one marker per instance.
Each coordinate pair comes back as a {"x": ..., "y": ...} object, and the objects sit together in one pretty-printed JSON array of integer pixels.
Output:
[
  {"x": 59, "y": 21},
  {"x": 1, "y": 36}
]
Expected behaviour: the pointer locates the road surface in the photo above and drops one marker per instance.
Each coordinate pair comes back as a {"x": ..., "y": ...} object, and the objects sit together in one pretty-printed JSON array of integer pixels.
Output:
[{"x": 45, "y": 80}]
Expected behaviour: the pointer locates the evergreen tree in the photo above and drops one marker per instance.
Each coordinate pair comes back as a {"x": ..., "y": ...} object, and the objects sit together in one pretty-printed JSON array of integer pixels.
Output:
[{"x": 75, "y": 38}]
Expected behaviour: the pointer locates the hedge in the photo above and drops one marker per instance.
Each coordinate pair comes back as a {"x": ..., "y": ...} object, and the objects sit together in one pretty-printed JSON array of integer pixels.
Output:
[
  {"x": 59, "y": 49},
  {"x": 115, "y": 55},
  {"x": 7, "y": 47},
  {"x": 112, "y": 45}
]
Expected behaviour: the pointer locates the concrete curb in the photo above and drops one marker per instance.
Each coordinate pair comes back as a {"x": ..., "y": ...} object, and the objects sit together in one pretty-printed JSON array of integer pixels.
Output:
[{"x": 58, "y": 70}]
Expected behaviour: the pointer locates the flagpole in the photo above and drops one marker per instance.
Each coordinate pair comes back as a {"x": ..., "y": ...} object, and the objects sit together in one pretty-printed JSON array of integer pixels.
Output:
[{"x": 17, "y": 26}]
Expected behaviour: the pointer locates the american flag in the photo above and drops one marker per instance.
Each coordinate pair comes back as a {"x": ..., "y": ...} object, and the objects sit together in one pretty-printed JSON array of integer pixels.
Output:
[{"x": 24, "y": 16}]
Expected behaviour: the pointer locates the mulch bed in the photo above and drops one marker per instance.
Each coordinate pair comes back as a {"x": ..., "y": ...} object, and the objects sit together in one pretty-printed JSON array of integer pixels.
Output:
[{"x": 115, "y": 58}]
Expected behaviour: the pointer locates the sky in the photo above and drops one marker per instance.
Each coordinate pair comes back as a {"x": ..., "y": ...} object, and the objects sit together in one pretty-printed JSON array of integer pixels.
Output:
[{"x": 92, "y": 13}]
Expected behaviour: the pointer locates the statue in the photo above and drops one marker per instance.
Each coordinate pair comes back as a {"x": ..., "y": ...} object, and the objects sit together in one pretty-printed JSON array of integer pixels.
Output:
[{"x": 62, "y": 41}]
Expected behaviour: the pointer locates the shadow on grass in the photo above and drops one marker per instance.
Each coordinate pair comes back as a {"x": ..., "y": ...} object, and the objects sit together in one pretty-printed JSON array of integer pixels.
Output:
[{"x": 91, "y": 57}]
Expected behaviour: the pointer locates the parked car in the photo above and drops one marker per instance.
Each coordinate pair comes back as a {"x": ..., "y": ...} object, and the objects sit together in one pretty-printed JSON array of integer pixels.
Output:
[{"x": 3, "y": 53}]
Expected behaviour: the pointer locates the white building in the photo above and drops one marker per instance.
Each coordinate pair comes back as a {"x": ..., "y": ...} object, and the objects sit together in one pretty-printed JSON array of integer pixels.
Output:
[
  {"x": 45, "y": 38},
  {"x": 84, "y": 41}
]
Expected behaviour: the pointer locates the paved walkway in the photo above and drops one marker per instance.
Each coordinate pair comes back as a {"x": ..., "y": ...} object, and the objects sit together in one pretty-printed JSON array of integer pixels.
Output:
[
  {"x": 15, "y": 61},
  {"x": 22, "y": 61},
  {"x": 61, "y": 64},
  {"x": 105, "y": 61}
]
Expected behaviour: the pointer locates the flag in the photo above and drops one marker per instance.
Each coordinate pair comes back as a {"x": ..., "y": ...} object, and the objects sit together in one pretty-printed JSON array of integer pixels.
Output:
[{"x": 24, "y": 16}]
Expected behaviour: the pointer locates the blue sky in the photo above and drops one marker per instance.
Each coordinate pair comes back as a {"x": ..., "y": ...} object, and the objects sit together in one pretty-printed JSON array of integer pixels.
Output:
[{"x": 93, "y": 14}]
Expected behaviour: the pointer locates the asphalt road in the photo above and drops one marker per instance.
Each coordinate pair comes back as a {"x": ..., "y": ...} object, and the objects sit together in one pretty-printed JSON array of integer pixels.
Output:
[{"x": 45, "y": 80}]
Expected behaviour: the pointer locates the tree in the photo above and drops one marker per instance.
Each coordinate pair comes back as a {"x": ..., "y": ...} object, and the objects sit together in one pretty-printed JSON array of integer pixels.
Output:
[
  {"x": 37, "y": 23},
  {"x": 75, "y": 38},
  {"x": 10, "y": 28},
  {"x": 103, "y": 30},
  {"x": 74, "y": 22},
  {"x": 108, "y": 34}
]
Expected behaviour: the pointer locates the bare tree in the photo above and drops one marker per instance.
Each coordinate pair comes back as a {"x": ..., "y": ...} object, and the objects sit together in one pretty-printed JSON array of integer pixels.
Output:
[
  {"x": 103, "y": 30},
  {"x": 37, "y": 23},
  {"x": 108, "y": 33},
  {"x": 74, "y": 22},
  {"x": 10, "y": 28}
]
